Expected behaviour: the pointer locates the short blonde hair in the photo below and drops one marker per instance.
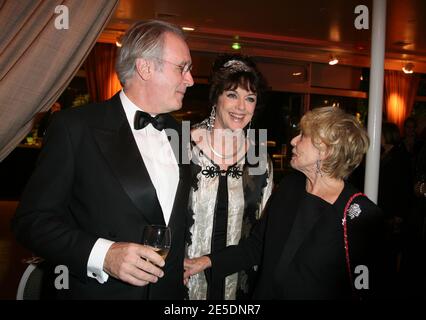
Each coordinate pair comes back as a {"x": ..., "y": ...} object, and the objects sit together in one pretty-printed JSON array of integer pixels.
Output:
[{"x": 343, "y": 136}]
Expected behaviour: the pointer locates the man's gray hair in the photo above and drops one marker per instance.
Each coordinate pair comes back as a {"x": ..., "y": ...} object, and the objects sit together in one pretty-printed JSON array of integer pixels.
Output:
[{"x": 142, "y": 40}]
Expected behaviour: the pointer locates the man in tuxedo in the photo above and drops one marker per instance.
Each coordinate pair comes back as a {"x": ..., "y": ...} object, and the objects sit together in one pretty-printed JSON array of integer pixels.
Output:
[{"x": 109, "y": 169}]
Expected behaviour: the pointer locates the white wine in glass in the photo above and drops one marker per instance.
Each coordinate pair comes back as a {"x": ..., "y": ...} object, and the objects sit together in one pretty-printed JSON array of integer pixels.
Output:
[{"x": 158, "y": 238}]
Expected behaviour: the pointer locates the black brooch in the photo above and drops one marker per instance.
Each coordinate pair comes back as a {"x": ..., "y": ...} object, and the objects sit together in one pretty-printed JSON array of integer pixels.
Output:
[
  {"x": 212, "y": 171},
  {"x": 234, "y": 172}
]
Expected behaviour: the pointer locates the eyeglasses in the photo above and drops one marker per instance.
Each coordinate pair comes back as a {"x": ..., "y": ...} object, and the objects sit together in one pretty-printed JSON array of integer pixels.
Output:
[{"x": 187, "y": 67}]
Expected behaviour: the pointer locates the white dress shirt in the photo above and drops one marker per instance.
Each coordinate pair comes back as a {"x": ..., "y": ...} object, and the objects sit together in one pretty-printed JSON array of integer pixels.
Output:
[{"x": 160, "y": 162}]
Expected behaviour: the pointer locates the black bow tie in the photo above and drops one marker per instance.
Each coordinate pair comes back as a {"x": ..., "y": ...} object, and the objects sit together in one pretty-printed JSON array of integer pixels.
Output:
[{"x": 142, "y": 119}]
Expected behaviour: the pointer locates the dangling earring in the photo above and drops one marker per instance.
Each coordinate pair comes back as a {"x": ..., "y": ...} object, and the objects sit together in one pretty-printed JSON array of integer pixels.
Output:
[
  {"x": 212, "y": 117},
  {"x": 318, "y": 165}
]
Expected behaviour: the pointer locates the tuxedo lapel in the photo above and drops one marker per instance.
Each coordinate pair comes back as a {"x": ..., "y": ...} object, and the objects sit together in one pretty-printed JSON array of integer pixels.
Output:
[
  {"x": 179, "y": 143},
  {"x": 179, "y": 138},
  {"x": 180, "y": 204},
  {"x": 117, "y": 144}
]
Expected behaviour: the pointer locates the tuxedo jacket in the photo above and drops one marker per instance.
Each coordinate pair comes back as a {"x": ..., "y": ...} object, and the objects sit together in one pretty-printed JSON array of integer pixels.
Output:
[
  {"x": 90, "y": 183},
  {"x": 299, "y": 246}
]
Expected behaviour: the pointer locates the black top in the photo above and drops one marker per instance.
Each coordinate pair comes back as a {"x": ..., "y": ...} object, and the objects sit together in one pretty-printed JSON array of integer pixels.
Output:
[{"x": 216, "y": 288}]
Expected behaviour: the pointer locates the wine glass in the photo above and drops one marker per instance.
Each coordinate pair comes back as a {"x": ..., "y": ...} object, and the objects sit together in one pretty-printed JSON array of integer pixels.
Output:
[{"x": 157, "y": 237}]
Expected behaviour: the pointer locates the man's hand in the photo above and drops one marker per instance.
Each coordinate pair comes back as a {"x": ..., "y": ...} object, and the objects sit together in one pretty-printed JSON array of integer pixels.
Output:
[
  {"x": 194, "y": 266},
  {"x": 133, "y": 263}
]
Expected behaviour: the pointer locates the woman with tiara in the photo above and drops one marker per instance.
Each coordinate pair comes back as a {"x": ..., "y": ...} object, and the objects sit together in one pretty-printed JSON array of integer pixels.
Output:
[{"x": 232, "y": 175}]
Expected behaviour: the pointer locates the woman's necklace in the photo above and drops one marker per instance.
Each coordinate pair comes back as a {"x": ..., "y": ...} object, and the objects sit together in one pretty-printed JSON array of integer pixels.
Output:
[{"x": 219, "y": 154}]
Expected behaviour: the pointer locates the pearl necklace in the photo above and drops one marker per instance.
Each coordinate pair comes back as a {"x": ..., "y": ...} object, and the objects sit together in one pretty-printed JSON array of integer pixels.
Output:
[{"x": 219, "y": 154}]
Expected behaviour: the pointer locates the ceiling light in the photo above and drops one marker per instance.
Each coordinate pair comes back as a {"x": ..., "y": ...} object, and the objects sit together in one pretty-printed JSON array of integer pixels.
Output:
[
  {"x": 119, "y": 41},
  {"x": 188, "y": 28},
  {"x": 408, "y": 68},
  {"x": 333, "y": 60},
  {"x": 236, "y": 46},
  {"x": 297, "y": 73}
]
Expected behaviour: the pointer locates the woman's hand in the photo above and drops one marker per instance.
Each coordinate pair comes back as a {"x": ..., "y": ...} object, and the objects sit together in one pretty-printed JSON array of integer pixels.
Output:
[{"x": 194, "y": 266}]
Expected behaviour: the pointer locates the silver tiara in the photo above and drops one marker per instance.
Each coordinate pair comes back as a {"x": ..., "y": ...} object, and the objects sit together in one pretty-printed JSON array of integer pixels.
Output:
[{"x": 237, "y": 66}]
